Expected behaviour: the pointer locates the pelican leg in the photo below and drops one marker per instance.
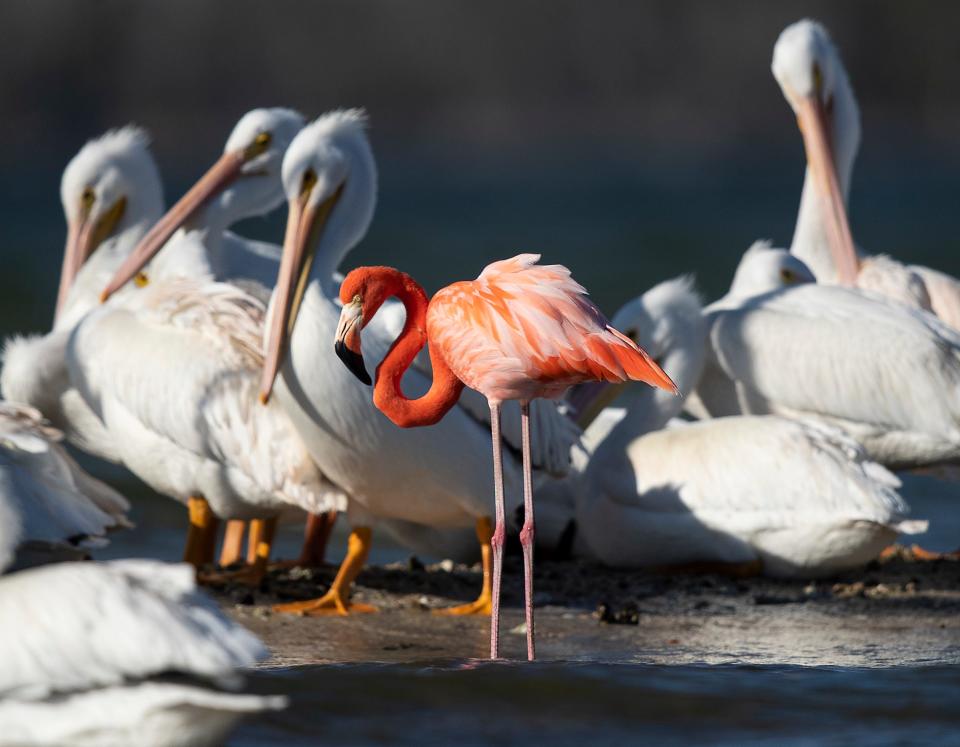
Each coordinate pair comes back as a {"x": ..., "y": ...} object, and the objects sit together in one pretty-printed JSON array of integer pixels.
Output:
[
  {"x": 483, "y": 604},
  {"x": 232, "y": 550},
  {"x": 202, "y": 532},
  {"x": 527, "y": 532},
  {"x": 499, "y": 532},
  {"x": 262, "y": 532},
  {"x": 337, "y": 599},
  {"x": 316, "y": 535}
]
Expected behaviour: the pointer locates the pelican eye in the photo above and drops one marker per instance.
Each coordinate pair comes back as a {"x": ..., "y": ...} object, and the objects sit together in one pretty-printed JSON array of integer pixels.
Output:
[
  {"x": 87, "y": 198},
  {"x": 817, "y": 79},
  {"x": 263, "y": 139},
  {"x": 140, "y": 279},
  {"x": 309, "y": 179},
  {"x": 788, "y": 276}
]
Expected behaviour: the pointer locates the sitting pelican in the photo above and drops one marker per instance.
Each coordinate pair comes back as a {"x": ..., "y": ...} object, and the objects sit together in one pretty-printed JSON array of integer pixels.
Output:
[
  {"x": 886, "y": 374},
  {"x": 758, "y": 493}
]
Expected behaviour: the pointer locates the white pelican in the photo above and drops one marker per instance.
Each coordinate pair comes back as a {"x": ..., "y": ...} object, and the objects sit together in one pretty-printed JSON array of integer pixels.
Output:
[
  {"x": 126, "y": 652},
  {"x": 49, "y": 507},
  {"x": 886, "y": 374},
  {"x": 813, "y": 79},
  {"x": 243, "y": 183},
  {"x": 799, "y": 497},
  {"x": 111, "y": 194},
  {"x": 429, "y": 476},
  {"x": 173, "y": 372}
]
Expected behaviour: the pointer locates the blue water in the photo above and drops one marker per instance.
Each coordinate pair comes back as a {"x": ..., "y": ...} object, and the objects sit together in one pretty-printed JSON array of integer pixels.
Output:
[{"x": 476, "y": 703}]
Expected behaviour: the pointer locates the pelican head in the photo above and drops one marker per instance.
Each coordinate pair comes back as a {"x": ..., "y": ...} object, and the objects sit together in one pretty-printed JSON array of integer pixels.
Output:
[
  {"x": 111, "y": 185},
  {"x": 330, "y": 180},
  {"x": 815, "y": 84},
  {"x": 764, "y": 269},
  {"x": 244, "y": 182}
]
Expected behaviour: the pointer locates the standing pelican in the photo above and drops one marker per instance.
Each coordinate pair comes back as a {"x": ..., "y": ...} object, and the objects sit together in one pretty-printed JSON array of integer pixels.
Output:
[
  {"x": 790, "y": 498},
  {"x": 127, "y": 652},
  {"x": 812, "y": 77},
  {"x": 244, "y": 182},
  {"x": 48, "y": 505},
  {"x": 173, "y": 372},
  {"x": 111, "y": 194},
  {"x": 520, "y": 331},
  {"x": 886, "y": 374},
  {"x": 436, "y": 477}
]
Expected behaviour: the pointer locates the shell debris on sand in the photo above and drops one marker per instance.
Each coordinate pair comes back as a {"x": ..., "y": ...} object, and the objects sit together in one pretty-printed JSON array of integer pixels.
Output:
[{"x": 895, "y": 611}]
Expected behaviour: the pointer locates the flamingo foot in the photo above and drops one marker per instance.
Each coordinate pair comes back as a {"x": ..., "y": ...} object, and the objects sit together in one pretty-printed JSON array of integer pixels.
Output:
[{"x": 331, "y": 603}]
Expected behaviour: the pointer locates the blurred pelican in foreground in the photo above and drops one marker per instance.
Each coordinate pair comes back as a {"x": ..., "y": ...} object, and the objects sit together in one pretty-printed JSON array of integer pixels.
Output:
[
  {"x": 435, "y": 477},
  {"x": 50, "y": 509},
  {"x": 111, "y": 194},
  {"x": 126, "y": 652},
  {"x": 781, "y": 343},
  {"x": 814, "y": 81},
  {"x": 754, "y": 494}
]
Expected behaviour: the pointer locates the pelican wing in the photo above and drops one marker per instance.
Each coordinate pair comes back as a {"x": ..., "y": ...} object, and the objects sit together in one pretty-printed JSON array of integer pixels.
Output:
[
  {"x": 187, "y": 369},
  {"x": 80, "y": 626},
  {"x": 830, "y": 351}
]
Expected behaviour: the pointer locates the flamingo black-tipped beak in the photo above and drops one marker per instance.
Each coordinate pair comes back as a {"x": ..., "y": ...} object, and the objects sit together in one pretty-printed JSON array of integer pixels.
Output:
[
  {"x": 347, "y": 342},
  {"x": 353, "y": 361}
]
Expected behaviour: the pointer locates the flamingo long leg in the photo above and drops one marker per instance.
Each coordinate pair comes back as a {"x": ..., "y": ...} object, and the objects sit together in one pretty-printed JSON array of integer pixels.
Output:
[
  {"x": 499, "y": 532},
  {"x": 527, "y": 533}
]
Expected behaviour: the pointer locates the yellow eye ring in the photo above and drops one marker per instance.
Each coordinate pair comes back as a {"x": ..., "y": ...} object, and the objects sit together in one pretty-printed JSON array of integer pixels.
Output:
[
  {"x": 140, "y": 279},
  {"x": 88, "y": 197},
  {"x": 309, "y": 179},
  {"x": 263, "y": 139},
  {"x": 787, "y": 276}
]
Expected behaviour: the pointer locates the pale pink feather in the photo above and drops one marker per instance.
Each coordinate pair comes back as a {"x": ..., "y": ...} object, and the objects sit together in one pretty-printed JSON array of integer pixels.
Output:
[{"x": 523, "y": 330}]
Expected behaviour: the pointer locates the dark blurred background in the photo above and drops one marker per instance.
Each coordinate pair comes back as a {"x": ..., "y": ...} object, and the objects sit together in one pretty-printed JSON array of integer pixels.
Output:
[{"x": 630, "y": 140}]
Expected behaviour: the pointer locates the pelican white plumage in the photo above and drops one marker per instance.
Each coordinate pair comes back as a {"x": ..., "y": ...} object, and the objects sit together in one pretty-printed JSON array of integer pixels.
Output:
[
  {"x": 126, "y": 652},
  {"x": 814, "y": 81},
  {"x": 798, "y": 498},
  {"x": 886, "y": 374},
  {"x": 111, "y": 194},
  {"x": 243, "y": 183},
  {"x": 428, "y": 476},
  {"x": 173, "y": 372},
  {"x": 50, "y": 507}
]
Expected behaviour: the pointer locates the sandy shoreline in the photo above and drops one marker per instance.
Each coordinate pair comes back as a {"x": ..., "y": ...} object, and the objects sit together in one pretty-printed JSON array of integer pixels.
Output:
[{"x": 894, "y": 612}]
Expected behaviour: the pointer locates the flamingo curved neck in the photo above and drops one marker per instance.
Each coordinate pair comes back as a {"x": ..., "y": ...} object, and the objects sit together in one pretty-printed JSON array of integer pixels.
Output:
[{"x": 445, "y": 388}]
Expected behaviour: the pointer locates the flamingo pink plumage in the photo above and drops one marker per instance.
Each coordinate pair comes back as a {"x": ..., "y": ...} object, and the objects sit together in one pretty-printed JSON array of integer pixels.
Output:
[{"x": 519, "y": 331}]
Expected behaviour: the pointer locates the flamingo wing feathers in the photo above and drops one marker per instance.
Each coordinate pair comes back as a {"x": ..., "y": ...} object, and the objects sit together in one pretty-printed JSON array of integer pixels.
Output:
[{"x": 523, "y": 330}]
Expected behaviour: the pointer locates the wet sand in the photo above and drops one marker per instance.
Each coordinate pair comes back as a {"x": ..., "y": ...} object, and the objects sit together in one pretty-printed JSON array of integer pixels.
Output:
[{"x": 896, "y": 611}]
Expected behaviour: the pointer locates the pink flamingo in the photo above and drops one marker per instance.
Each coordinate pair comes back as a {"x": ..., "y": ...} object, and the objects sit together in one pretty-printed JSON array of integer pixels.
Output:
[{"x": 518, "y": 331}]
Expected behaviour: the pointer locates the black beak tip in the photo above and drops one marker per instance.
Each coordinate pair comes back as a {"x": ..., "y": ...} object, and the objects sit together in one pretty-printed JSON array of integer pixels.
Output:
[{"x": 352, "y": 361}]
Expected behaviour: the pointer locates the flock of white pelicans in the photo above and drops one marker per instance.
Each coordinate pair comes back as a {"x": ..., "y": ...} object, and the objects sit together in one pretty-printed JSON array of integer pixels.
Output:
[{"x": 820, "y": 371}]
